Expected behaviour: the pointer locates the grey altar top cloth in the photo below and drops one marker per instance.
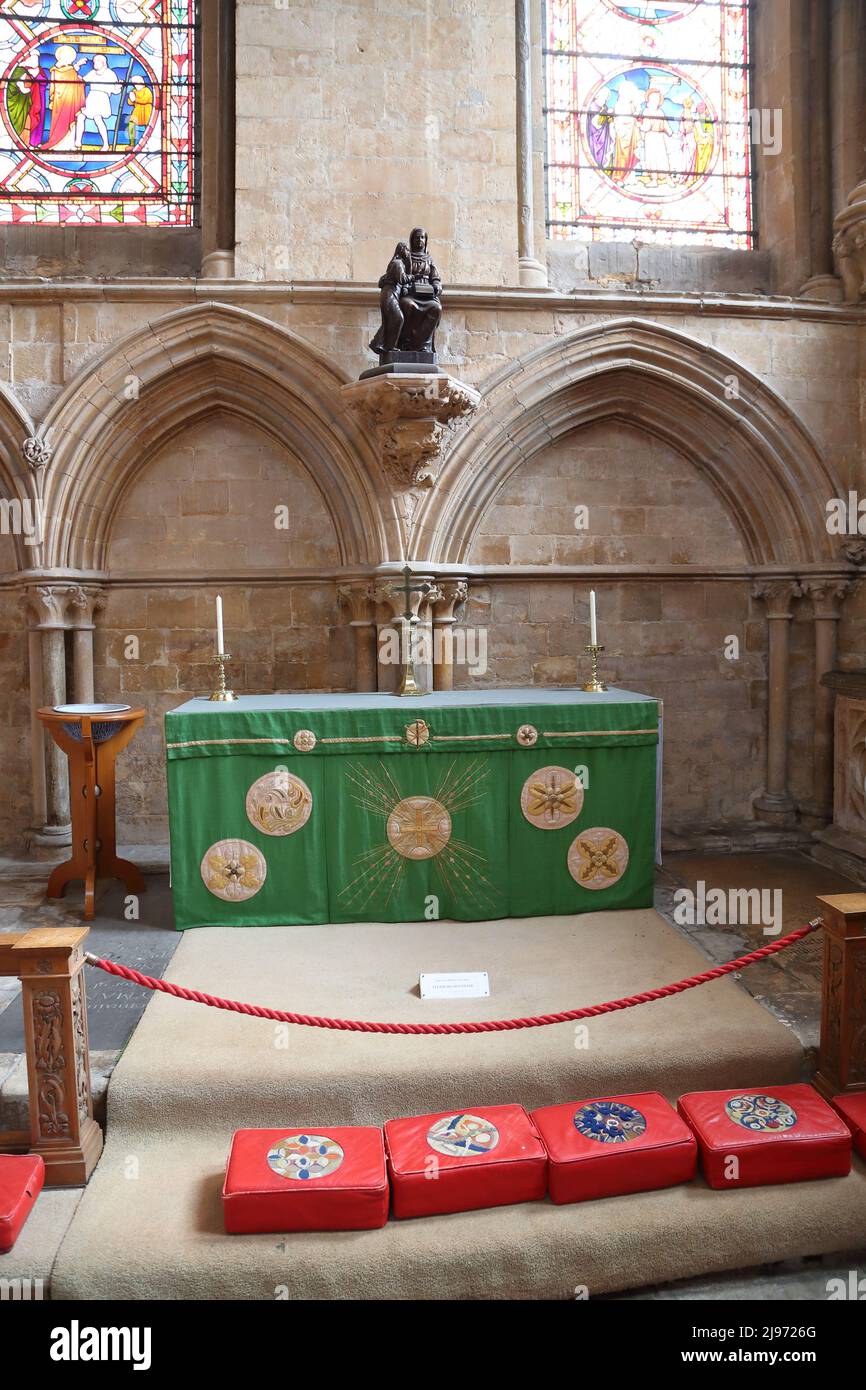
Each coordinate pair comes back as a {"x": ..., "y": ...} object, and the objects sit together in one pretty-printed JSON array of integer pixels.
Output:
[{"x": 437, "y": 699}]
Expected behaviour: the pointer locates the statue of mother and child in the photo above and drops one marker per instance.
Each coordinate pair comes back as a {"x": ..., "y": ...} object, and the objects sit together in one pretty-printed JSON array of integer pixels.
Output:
[{"x": 411, "y": 305}]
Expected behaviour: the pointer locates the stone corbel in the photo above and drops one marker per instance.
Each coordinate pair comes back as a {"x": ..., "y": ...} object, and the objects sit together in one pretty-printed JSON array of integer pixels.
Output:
[
  {"x": 411, "y": 417},
  {"x": 849, "y": 245}
]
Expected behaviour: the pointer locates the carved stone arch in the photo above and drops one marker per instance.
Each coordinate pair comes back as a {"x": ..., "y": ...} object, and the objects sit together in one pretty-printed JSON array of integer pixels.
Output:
[
  {"x": 191, "y": 363},
  {"x": 22, "y": 460},
  {"x": 757, "y": 456}
]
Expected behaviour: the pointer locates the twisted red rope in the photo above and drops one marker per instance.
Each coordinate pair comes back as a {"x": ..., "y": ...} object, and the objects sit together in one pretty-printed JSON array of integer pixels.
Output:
[{"x": 490, "y": 1026}]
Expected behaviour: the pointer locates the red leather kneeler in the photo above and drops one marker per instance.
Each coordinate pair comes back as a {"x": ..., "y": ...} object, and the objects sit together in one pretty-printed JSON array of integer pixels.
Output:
[
  {"x": 852, "y": 1108},
  {"x": 458, "y": 1160},
  {"x": 781, "y": 1134},
  {"x": 619, "y": 1144},
  {"x": 326, "y": 1178},
  {"x": 21, "y": 1179}
]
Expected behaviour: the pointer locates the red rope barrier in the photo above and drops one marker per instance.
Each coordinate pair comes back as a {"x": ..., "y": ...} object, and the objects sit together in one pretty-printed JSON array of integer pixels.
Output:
[{"x": 500, "y": 1025}]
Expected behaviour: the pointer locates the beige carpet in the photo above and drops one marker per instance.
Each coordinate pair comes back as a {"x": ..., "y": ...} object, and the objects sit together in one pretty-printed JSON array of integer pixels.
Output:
[{"x": 191, "y": 1075}]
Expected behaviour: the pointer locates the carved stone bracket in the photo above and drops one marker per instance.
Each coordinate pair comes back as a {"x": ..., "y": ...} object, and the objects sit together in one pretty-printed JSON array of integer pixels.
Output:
[
  {"x": 849, "y": 245},
  {"x": 411, "y": 417}
]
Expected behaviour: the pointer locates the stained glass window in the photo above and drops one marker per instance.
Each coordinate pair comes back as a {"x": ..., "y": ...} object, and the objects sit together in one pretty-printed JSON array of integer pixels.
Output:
[
  {"x": 97, "y": 112},
  {"x": 647, "y": 114}
]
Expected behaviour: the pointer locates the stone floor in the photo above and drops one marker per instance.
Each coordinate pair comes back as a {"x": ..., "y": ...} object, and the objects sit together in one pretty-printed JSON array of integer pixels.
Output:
[{"x": 788, "y": 984}]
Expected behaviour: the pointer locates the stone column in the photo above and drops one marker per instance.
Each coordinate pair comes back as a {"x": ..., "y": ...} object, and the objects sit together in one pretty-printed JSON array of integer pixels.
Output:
[
  {"x": 358, "y": 600},
  {"x": 48, "y": 606},
  {"x": 218, "y": 163},
  {"x": 776, "y": 804},
  {"x": 827, "y": 596},
  {"x": 453, "y": 593},
  {"x": 83, "y": 605},
  {"x": 842, "y": 1054},
  {"x": 822, "y": 283},
  {"x": 531, "y": 273}
]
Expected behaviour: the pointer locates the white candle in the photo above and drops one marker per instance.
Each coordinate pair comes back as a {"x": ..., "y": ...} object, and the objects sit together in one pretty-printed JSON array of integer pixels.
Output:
[
  {"x": 593, "y": 630},
  {"x": 219, "y": 616}
]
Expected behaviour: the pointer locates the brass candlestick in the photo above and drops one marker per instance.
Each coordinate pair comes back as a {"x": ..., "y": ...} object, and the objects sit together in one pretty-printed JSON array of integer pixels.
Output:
[
  {"x": 594, "y": 683},
  {"x": 221, "y": 693}
]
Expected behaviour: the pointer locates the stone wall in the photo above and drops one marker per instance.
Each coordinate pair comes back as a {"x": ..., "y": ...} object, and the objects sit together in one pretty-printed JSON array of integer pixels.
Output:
[{"x": 354, "y": 117}]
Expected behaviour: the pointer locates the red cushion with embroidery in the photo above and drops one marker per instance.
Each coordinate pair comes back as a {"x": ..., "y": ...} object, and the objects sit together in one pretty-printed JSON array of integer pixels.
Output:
[
  {"x": 782, "y": 1134},
  {"x": 852, "y": 1108},
  {"x": 21, "y": 1180},
  {"x": 618, "y": 1144},
  {"x": 326, "y": 1178},
  {"x": 459, "y": 1160}
]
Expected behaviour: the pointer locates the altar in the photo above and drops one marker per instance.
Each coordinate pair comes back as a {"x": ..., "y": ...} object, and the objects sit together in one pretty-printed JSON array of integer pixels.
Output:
[{"x": 468, "y": 805}]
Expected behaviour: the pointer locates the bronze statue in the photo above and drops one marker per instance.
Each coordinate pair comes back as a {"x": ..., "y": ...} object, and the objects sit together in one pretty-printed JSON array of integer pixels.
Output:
[{"x": 411, "y": 306}]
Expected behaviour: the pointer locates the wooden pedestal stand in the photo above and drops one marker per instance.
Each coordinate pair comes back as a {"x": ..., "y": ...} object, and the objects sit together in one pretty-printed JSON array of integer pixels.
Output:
[{"x": 92, "y": 743}]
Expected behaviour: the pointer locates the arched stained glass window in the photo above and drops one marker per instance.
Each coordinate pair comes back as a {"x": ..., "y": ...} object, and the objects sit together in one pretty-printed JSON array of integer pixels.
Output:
[
  {"x": 97, "y": 112},
  {"x": 647, "y": 113}
]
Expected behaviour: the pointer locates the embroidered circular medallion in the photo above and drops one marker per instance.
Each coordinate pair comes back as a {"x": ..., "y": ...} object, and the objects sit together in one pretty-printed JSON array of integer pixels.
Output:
[
  {"x": 460, "y": 1136},
  {"x": 419, "y": 827},
  {"x": 609, "y": 1121},
  {"x": 598, "y": 858},
  {"x": 527, "y": 735},
  {"x": 417, "y": 733},
  {"x": 760, "y": 1113},
  {"x": 304, "y": 740},
  {"x": 279, "y": 803},
  {"x": 233, "y": 870},
  {"x": 551, "y": 798},
  {"x": 305, "y": 1156}
]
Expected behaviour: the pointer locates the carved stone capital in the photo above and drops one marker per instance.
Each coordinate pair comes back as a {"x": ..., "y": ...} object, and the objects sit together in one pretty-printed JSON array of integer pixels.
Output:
[
  {"x": 827, "y": 596},
  {"x": 62, "y": 605},
  {"x": 411, "y": 417},
  {"x": 453, "y": 593},
  {"x": 849, "y": 245},
  {"x": 855, "y": 551},
  {"x": 778, "y": 595},
  {"x": 358, "y": 598},
  {"x": 388, "y": 593}
]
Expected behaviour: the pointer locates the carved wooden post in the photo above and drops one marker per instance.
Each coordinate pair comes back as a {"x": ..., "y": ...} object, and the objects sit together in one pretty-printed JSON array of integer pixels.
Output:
[
  {"x": 842, "y": 1055},
  {"x": 50, "y": 961}
]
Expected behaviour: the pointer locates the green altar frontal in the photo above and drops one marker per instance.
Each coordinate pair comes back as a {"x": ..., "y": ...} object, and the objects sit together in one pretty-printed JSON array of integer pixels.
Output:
[{"x": 290, "y": 809}]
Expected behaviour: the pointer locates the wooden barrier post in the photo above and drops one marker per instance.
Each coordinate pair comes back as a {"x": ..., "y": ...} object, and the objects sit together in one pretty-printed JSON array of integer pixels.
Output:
[
  {"x": 49, "y": 962},
  {"x": 842, "y": 1055}
]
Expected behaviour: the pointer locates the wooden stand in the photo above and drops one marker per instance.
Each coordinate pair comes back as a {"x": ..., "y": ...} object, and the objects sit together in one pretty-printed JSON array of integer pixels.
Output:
[
  {"x": 842, "y": 1055},
  {"x": 49, "y": 962},
  {"x": 92, "y": 743}
]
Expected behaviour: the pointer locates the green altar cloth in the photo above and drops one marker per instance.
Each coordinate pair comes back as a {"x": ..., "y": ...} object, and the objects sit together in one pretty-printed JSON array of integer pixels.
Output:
[{"x": 469, "y": 805}]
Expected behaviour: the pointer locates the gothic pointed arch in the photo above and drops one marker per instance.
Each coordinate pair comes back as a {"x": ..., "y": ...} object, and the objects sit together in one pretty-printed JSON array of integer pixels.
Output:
[
  {"x": 189, "y": 364},
  {"x": 755, "y": 453}
]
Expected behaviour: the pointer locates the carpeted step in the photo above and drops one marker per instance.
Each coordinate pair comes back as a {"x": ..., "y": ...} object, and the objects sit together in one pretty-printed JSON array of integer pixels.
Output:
[
  {"x": 150, "y": 1223},
  {"x": 161, "y": 1237},
  {"x": 190, "y": 1067}
]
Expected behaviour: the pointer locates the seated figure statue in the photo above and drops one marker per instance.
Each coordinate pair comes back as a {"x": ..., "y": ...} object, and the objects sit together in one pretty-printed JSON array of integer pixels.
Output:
[{"x": 411, "y": 305}]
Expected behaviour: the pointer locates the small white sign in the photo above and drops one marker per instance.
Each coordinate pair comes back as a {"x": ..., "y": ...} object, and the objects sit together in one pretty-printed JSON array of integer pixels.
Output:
[{"x": 470, "y": 984}]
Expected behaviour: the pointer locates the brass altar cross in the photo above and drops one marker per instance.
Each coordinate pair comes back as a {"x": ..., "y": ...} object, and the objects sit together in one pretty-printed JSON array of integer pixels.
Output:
[{"x": 408, "y": 684}]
